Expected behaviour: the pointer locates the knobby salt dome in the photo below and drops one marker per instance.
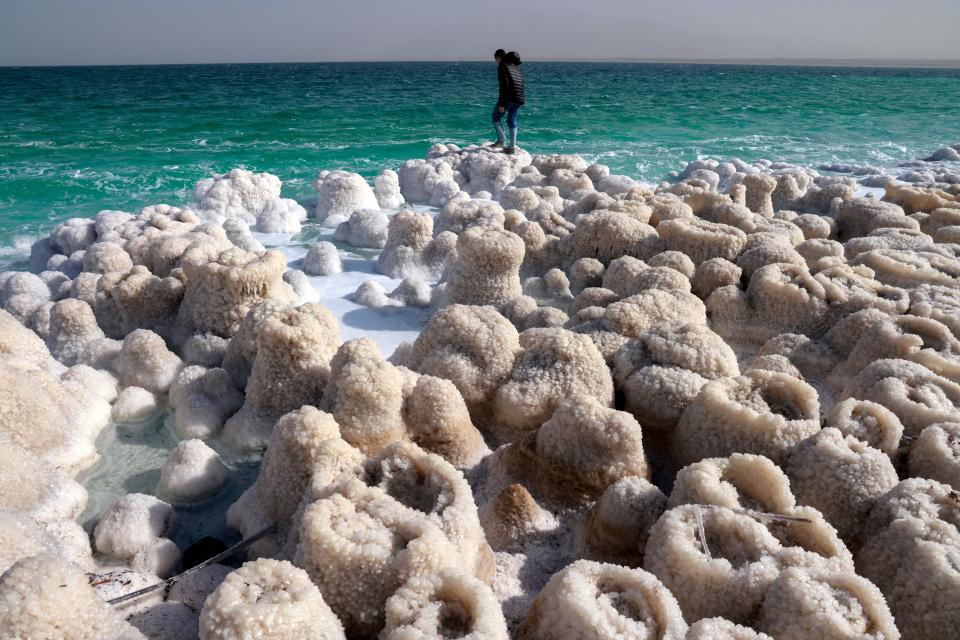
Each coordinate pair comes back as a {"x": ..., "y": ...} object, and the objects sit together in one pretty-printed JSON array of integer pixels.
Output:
[{"x": 492, "y": 396}]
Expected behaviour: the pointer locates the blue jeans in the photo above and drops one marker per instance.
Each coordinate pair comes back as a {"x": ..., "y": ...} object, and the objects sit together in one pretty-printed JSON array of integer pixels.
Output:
[{"x": 511, "y": 109}]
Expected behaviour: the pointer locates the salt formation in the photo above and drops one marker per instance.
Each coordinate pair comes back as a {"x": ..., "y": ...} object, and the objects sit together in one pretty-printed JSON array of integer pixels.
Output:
[
  {"x": 412, "y": 251},
  {"x": 294, "y": 347},
  {"x": 25, "y": 611},
  {"x": 322, "y": 260},
  {"x": 441, "y": 605},
  {"x": 192, "y": 470},
  {"x": 268, "y": 599},
  {"x": 220, "y": 290},
  {"x": 340, "y": 194},
  {"x": 364, "y": 228},
  {"x": 762, "y": 412},
  {"x": 589, "y": 599},
  {"x": 705, "y": 394},
  {"x": 132, "y": 524}
]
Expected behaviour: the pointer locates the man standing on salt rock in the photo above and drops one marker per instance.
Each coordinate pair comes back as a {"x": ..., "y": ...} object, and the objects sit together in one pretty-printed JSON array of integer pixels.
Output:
[{"x": 511, "y": 97}]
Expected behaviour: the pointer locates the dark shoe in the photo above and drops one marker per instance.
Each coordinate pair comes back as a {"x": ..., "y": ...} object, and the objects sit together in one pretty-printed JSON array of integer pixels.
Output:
[
  {"x": 509, "y": 150},
  {"x": 495, "y": 145}
]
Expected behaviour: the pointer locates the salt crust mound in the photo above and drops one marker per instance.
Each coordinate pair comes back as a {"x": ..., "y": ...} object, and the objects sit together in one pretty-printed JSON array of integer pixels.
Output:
[
  {"x": 28, "y": 608},
  {"x": 722, "y": 629},
  {"x": 615, "y": 529},
  {"x": 936, "y": 454},
  {"x": 761, "y": 412},
  {"x": 191, "y": 471},
  {"x": 322, "y": 259},
  {"x": 364, "y": 228},
  {"x": 554, "y": 364},
  {"x": 594, "y": 600},
  {"x": 486, "y": 268},
  {"x": 825, "y": 604},
  {"x": 473, "y": 347},
  {"x": 294, "y": 347},
  {"x": 202, "y": 400},
  {"x": 442, "y": 605},
  {"x": 269, "y": 599},
  {"x": 132, "y": 524},
  {"x": 359, "y": 546},
  {"x": 284, "y": 475},
  {"x": 662, "y": 371},
  {"x": 570, "y": 460},
  {"x": 220, "y": 290},
  {"x": 841, "y": 477},
  {"x": 412, "y": 250},
  {"x": 340, "y": 194}
]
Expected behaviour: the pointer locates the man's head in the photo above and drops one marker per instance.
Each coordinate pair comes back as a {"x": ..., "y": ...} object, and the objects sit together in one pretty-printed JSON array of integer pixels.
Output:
[{"x": 498, "y": 55}]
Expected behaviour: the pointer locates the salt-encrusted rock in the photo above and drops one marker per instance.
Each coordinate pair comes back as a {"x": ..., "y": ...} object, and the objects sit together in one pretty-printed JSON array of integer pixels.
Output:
[
  {"x": 269, "y": 599},
  {"x": 340, "y": 193},
  {"x": 191, "y": 471},
  {"x": 55, "y": 419},
  {"x": 841, "y": 477},
  {"x": 36, "y": 593},
  {"x": 438, "y": 421},
  {"x": 445, "y": 604},
  {"x": 663, "y": 370},
  {"x": 281, "y": 215},
  {"x": 220, "y": 290},
  {"x": 137, "y": 299},
  {"x": 134, "y": 404},
  {"x": 35, "y": 487},
  {"x": 365, "y": 396},
  {"x": 617, "y": 526},
  {"x": 760, "y": 412},
  {"x": 868, "y": 422},
  {"x": 348, "y": 548},
  {"x": 722, "y": 629},
  {"x": 72, "y": 327},
  {"x": 104, "y": 257},
  {"x": 428, "y": 484},
  {"x": 411, "y": 249},
  {"x": 607, "y": 235},
  {"x": 486, "y": 269},
  {"x": 322, "y": 259},
  {"x": 936, "y": 454},
  {"x": 728, "y": 577},
  {"x": 131, "y": 524},
  {"x": 473, "y": 347},
  {"x": 802, "y": 604},
  {"x": 73, "y": 235},
  {"x": 364, "y": 228},
  {"x": 609, "y": 447},
  {"x": 236, "y": 195},
  {"x": 160, "y": 558},
  {"x": 145, "y": 361},
  {"x": 203, "y": 399},
  {"x": 897, "y": 385},
  {"x": 701, "y": 240},
  {"x": 594, "y": 600},
  {"x": 294, "y": 349},
  {"x": 387, "y": 189},
  {"x": 284, "y": 475},
  {"x": 554, "y": 365}
]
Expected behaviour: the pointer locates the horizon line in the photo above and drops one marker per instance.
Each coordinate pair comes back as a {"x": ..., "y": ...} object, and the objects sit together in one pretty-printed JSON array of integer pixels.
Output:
[{"x": 917, "y": 63}]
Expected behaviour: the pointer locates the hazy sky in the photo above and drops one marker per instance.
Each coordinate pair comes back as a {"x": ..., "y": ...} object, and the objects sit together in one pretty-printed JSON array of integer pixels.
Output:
[{"x": 174, "y": 31}]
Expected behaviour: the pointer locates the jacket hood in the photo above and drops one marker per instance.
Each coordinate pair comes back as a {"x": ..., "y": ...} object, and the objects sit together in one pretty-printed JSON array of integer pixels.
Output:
[{"x": 512, "y": 58}]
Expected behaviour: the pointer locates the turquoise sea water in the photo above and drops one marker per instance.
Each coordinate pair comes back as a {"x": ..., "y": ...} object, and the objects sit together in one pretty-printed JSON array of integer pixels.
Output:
[{"x": 75, "y": 140}]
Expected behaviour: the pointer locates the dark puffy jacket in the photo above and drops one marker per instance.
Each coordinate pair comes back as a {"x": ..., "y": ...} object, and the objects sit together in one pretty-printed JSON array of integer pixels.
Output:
[{"x": 511, "y": 79}]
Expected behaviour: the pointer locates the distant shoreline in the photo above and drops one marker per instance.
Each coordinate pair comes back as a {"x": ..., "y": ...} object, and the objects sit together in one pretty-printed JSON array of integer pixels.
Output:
[{"x": 865, "y": 63}]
